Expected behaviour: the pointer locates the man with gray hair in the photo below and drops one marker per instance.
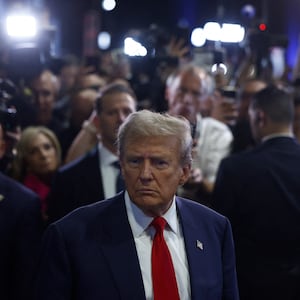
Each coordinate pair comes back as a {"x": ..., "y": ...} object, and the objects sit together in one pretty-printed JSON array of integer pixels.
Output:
[
  {"x": 186, "y": 92},
  {"x": 145, "y": 242}
]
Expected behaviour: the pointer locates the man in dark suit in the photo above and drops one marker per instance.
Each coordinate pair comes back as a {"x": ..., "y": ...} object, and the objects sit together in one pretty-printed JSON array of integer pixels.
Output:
[
  {"x": 20, "y": 236},
  {"x": 259, "y": 191},
  {"x": 92, "y": 177},
  {"x": 103, "y": 251}
]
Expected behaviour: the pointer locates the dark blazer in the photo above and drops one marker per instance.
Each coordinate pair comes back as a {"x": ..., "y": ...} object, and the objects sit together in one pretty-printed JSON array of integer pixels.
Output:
[
  {"x": 20, "y": 236},
  {"x": 76, "y": 184},
  {"x": 259, "y": 191},
  {"x": 91, "y": 254}
]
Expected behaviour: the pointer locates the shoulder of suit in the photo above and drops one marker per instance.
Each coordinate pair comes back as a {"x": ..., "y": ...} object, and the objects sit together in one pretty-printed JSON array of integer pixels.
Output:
[
  {"x": 77, "y": 163},
  {"x": 240, "y": 159},
  {"x": 195, "y": 207},
  {"x": 198, "y": 214},
  {"x": 16, "y": 189},
  {"x": 90, "y": 212}
]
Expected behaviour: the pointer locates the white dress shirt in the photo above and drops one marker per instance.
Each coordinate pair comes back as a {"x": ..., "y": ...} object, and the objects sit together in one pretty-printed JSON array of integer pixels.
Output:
[
  {"x": 214, "y": 143},
  {"x": 109, "y": 173},
  {"x": 143, "y": 236}
]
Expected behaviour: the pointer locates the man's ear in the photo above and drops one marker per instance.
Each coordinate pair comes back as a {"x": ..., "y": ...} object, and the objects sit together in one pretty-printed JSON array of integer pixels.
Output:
[
  {"x": 96, "y": 122},
  {"x": 186, "y": 169}
]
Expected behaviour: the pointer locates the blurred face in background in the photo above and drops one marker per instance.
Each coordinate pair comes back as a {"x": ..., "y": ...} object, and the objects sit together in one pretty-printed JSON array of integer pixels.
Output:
[
  {"x": 67, "y": 76},
  {"x": 82, "y": 104},
  {"x": 41, "y": 156},
  {"x": 44, "y": 89},
  {"x": 90, "y": 81},
  {"x": 116, "y": 107},
  {"x": 185, "y": 94}
]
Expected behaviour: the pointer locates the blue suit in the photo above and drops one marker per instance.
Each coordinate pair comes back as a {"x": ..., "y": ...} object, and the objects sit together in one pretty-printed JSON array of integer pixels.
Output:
[
  {"x": 91, "y": 254},
  {"x": 76, "y": 184},
  {"x": 20, "y": 236}
]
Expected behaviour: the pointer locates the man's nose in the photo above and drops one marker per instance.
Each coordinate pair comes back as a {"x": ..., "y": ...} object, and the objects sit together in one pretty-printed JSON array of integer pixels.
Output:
[
  {"x": 146, "y": 170},
  {"x": 121, "y": 117},
  {"x": 187, "y": 97}
]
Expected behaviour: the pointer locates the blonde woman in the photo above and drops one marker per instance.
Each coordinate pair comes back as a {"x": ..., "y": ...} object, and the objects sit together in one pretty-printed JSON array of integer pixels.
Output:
[{"x": 38, "y": 156}]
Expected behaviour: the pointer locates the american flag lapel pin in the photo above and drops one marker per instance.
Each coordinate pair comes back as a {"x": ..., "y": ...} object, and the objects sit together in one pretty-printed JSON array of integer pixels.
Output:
[{"x": 199, "y": 245}]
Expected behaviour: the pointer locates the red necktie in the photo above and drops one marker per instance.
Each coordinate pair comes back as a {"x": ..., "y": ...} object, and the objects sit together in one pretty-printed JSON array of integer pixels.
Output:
[{"x": 163, "y": 274}]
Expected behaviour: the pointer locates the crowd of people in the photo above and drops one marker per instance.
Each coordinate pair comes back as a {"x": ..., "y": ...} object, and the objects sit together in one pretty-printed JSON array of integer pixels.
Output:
[{"x": 92, "y": 156}]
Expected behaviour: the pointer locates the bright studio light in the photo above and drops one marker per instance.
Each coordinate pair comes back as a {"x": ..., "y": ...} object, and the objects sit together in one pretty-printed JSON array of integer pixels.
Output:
[
  {"x": 232, "y": 33},
  {"x": 104, "y": 40},
  {"x": 227, "y": 33},
  {"x": 134, "y": 48},
  {"x": 198, "y": 37},
  {"x": 212, "y": 31},
  {"x": 109, "y": 5},
  {"x": 21, "y": 26}
]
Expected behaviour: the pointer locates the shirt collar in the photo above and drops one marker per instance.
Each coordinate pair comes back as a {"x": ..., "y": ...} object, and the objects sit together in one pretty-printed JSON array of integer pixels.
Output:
[
  {"x": 276, "y": 135},
  {"x": 140, "y": 222},
  {"x": 106, "y": 157}
]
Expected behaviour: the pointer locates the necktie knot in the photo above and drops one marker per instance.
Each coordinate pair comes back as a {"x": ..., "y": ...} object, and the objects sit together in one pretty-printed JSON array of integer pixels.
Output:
[
  {"x": 116, "y": 164},
  {"x": 159, "y": 224}
]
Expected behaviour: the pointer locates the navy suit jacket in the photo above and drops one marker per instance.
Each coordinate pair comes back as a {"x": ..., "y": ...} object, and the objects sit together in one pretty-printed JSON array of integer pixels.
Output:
[
  {"x": 20, "y": 235},
  {"x": 91, "y": 254},
  {"x": 76, "y": 184},
  {"x": 259, "y": 191}
]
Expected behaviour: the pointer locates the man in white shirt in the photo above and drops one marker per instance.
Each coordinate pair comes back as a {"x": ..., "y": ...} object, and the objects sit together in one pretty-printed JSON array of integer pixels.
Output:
[{"x": 186, "y": 91}]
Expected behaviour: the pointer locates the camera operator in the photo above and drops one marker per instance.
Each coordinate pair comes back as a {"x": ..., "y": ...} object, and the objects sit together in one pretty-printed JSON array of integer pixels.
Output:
[{"x": 9, "y": 122}]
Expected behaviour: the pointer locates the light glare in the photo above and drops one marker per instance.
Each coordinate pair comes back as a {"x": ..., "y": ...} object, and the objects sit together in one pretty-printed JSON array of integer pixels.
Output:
[
  {"x": 104, "y": 40},
  {"x": 198, "y": 37},
  {"x": 212, "y": 31},
  {"x": 227, "y": 33},
  {"x": 21, "y": 26},
  {"x": 232, "y": 33},
  {"x": 108, "y": 5},
  {"x": 134, "y": 48}
]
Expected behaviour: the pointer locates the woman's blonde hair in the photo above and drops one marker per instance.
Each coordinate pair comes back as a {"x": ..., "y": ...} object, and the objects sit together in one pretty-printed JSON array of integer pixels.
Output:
[{"x": 19, "y": 166}]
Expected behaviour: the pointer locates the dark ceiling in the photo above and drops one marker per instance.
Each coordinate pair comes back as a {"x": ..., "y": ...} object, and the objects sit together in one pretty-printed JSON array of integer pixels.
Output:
[{"x": 140, "y": 14}]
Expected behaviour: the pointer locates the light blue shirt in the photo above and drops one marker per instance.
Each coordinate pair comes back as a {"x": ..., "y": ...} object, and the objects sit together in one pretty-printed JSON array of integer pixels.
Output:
[{"x": 143, "y": 235}]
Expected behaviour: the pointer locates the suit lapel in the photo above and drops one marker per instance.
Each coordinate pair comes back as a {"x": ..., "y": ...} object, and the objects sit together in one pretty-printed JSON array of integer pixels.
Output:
[
  {"x": 92, "y": 175},
  {"x": 120, "y": 251},
  {"x": 195, "y": 243}
]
